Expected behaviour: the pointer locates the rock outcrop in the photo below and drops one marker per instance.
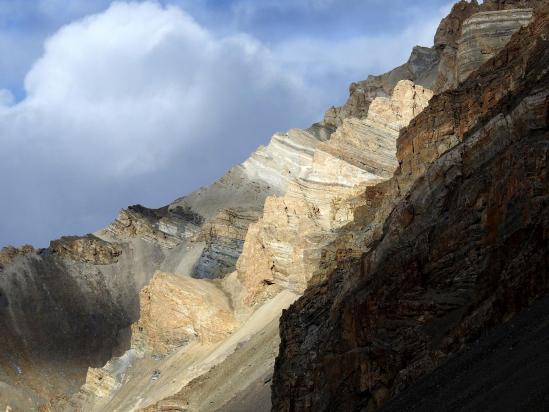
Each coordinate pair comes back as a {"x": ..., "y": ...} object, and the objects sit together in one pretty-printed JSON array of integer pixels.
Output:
[
  {"x": 461, "y": 45},
  {"x": 224, "y": 237},
  {"x": 87, "y": 249},
  {"x": 87, "y": 325},
  {"x": 9, "y": 253},
  {"x": 484, "y": 34},
  {"x": 464, "y": 248},
  {"x": 283, "y": 250},
  {"x": 421, "y": 68},
  {"x": 176, "y": 310}
]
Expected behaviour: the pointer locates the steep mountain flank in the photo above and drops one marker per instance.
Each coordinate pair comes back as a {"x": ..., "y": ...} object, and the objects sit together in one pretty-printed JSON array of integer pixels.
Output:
[
  {"x": 283, "y": 250},
  {"x": 506, "y": 369},
  {"x": 458, "y": 39},
  {"x": 464, "y": 248},
  {"x": 315, "y": 226},
  {"x": 70, "y": 306},
  {"x": 177, "y": 308}
]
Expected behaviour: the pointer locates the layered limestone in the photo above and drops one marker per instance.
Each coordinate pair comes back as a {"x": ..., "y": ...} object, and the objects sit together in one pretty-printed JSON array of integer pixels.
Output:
[
  {"x": 87, "y": 288},
  {"x": 473, "y": 33},
  {"x": 286, "y": 157},
  {"x": 284, "y": 249},
  {"x": 166, "y": 227},
  {"x": 176, "y": 317},
  {"x": 421, "y": 68},
  {"x": 224, "y": 237},
  {"x": 457, "y": 243},
  {"x": 312, "y": 200},
  {"x": 461, "y": 45},
  {"x": 484, "y": 34}
]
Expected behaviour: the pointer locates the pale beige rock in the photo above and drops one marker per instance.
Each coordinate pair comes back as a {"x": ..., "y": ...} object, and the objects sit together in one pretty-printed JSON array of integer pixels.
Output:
[
  {"x": 283, "y": 250},
  {"x": 422, "y": 68},
  {"x": 178, "y": 313},
  {"x": 176, "y": 310},
  {"x": 283, "y": 159},
  {"x": 308, "y": 185},
  {"x": 484, "y": 34},
  {"x": 100, "y": 382}
]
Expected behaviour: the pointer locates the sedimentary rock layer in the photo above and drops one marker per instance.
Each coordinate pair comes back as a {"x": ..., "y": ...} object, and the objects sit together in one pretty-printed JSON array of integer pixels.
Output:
[
  {"x": 283, "y": 250},
  {"x": 318, "y": 214},
  {"x": 461, "y": 45},
  {"x": 464, "y": 249},
  {"x": 484, "y": 34}
]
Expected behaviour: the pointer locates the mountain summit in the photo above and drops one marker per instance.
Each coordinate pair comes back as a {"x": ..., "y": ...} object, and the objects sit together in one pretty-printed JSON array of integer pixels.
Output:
[{"x": 400, "y": 241}]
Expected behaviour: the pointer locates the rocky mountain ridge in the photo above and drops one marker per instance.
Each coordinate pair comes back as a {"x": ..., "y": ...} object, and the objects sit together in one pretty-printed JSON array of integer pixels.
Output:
[
  {"x": 463, "y": 245},
  {"x": 169, "y": 309}
]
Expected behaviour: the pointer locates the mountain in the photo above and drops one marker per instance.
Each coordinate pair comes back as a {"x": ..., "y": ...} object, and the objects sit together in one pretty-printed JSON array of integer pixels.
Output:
[
  {"x": 400, "y": 228},
  {"x": 457, "y": 244}
]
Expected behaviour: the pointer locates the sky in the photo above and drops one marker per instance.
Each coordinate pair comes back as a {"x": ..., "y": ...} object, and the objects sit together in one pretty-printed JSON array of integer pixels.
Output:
[{"x": 107, "y": 104}]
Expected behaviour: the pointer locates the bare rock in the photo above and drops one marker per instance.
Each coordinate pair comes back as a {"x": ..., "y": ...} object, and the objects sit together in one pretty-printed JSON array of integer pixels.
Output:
[
  {"x": 166, "y": 226},
  {"x": 484, "y": 34},
  {"x": 462, "y": 245},
  {"x": 421, "y": 68},
  {"x": 284, "y": 249},
  {"x": 9, "y": 253},
  {"x": 89, "y": 249},
  {"x": 224, "y": 237},
  {"x": 176, "y": 310}
]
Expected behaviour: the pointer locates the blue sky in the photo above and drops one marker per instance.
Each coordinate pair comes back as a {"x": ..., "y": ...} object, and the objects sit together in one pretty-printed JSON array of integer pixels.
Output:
[{"x": 104, "y": 105}]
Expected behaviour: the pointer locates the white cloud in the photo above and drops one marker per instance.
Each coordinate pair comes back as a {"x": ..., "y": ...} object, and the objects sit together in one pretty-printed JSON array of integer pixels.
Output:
[
  {"x": 357, "y": 56},
  {"x": 6, "y": 98},
  {"x": 138, "y": 90},
  {"x": 128, "y": 88}
]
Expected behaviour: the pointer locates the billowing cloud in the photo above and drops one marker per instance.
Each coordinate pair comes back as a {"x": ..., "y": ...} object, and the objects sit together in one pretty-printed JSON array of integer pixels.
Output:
[
  {"x": 127, "y": 94},
  {"x": 141, "y": 103},
  {"x": 122, "y": 92}
]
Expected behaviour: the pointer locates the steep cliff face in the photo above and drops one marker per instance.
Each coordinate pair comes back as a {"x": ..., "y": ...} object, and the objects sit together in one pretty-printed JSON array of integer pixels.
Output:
[
  {"x": 87, "y": 325},
  {"x": 70, "y": 306},
  {"x": 483, "y": 35},
  {"x": 464, "y": 248},
  {"x": 460, "y": 46},
  {"x": 283, "y": 250}
]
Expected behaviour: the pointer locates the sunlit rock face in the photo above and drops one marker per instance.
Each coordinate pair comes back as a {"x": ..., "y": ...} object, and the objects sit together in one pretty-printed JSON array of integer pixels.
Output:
[
  {"x": 283, "y": 250},
  {"x": 421, "y": 69},
  {"x": 484, "y": 34},
  {"x": 87, "y": 325},
  {"x": 458, "y": 244},
  {"x": 176, "y": 310},
  {"x": 439, "y": 68}
]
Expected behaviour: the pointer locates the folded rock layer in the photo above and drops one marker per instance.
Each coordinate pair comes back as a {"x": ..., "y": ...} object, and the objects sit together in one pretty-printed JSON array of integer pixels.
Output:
[
  {"x": 178, "y": 307},
  {"x": 464, "y": 248}
]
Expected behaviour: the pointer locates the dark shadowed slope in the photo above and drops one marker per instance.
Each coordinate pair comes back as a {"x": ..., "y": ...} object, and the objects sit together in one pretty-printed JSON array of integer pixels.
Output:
[{"x": 507, "y": 370}]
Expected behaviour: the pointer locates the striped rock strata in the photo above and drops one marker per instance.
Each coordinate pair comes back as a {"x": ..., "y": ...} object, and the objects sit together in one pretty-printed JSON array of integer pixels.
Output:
[
  {"x": 439, "y": 67},
  {"x": 456, "y": 245},
  {"x": 283, "y": 250},
  {"x": 87, "y": 289}
]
